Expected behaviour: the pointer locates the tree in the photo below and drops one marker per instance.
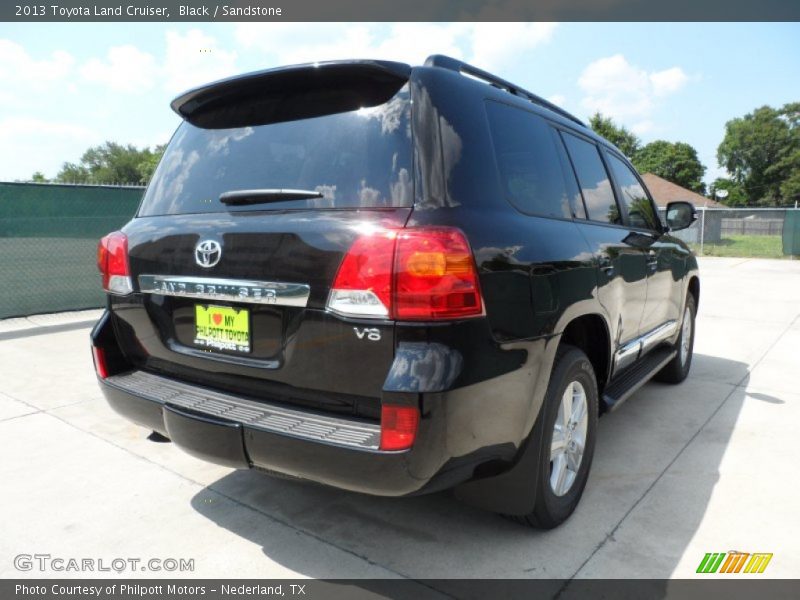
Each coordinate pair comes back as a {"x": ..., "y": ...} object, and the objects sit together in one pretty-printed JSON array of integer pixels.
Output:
[
  {"x": 148, "y": 165},
  {"x": 761, "y": 151},
  {"x": 38, "y": 177},
  {"x": 112, "y": 163},
  {"x": 736, "y": 195},
  {"x": 618, "y": 135},
  {"x": 674, "y": 161}
]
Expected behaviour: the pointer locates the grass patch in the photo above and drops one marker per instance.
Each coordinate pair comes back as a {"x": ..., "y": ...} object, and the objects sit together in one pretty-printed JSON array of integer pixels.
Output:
[{"x": 745, "y": 246}]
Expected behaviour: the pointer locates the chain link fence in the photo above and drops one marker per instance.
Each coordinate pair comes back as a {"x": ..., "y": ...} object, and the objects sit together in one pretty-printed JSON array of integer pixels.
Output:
[
  {"x": 48, "y": 243},
  {"x": 744, "y": 232}
]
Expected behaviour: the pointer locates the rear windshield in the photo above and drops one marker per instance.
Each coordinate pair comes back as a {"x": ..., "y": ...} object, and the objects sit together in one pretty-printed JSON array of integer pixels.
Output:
[{"x": 355, "y": 159}]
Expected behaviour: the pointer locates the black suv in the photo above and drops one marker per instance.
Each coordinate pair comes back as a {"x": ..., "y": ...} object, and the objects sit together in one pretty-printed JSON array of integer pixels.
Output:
[{"x": 393, "y": 280}]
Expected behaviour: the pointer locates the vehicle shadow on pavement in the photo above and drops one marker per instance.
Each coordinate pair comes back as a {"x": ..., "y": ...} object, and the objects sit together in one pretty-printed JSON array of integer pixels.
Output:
[{"x": 655, "y": 469}]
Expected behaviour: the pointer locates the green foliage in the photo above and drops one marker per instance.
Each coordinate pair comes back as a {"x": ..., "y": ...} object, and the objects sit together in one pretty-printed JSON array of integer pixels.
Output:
[
  {"x": 674, "y": 161},
  {"x": 112, "y": 163},
  {"x": 736, "y": 195},
  {"x": 618, "y": 135},
  {"x": 761, "y": 151},
  {"x": 149, "y": 163},
  {"x": 38, "y": 177}
]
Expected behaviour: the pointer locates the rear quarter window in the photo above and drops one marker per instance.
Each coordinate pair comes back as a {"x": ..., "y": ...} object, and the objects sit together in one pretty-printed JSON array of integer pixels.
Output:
[
  {"x": 528, "y": 164},
  {"x": 355, "y": 159},
  {"x": 598, "y": 194}
]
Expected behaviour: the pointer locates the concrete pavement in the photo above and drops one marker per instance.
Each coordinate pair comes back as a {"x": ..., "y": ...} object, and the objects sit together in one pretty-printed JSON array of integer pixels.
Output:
[{"x": 707, "y": 466}]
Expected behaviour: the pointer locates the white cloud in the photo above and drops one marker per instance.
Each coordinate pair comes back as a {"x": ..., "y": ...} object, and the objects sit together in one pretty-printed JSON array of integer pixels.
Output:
[
  {"x": 29, "y": 144},
  {"x": 125, "y": 69},
  {"x": 189, "y": 59},
  {"x": 494, "y": 45},
  {"x": 290, "y": 43},
  {"x": 668, "y": 81},
  {"x": 626, "y": 92},
  {"x": 195, "y": 58},
  {"x": 488, "y": 45},
  {"x": 642, "y": 127},
  {"x": 557, "y": 99},
  {"x": 19, "y": 70},
  {"x": 11, "y": 126}
]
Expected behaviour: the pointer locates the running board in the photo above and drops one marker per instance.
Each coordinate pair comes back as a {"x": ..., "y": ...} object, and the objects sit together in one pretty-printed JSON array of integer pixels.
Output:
[{"x": 634, "y": 377}]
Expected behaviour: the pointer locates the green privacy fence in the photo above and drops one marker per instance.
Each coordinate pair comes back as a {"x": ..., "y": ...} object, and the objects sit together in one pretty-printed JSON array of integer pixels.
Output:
[
  {"x": 48, "y": 243},
  {"x": 791, "y": 233}
]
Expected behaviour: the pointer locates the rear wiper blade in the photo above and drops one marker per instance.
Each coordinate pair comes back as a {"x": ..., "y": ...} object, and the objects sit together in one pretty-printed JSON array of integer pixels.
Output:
[{"x": 263, "y": 196}]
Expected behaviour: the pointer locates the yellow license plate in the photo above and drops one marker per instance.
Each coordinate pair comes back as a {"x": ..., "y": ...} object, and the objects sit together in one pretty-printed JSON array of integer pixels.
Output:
[{"x": 222, "y": 328}]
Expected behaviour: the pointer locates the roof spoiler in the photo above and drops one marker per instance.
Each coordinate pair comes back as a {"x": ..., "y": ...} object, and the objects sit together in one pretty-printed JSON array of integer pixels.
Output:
[{"x": 289, "y": 93}]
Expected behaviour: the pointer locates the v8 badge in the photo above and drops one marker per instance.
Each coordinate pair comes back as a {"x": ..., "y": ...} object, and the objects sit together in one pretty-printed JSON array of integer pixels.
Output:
[{"x": 373, "y": 334}]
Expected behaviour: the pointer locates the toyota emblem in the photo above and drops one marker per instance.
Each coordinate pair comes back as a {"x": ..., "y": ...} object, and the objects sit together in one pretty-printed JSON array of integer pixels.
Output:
[{"x": 207, "y": 253}]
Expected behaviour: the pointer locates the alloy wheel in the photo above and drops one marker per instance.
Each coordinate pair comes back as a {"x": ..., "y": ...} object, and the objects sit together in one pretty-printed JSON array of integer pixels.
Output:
[{"x": 569, "y": 438}]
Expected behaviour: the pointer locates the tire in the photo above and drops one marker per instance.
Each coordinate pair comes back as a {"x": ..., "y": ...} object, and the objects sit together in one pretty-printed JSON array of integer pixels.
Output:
[
  {"x": 557, "y": 497},
  {"x": 677, "y": 369}
]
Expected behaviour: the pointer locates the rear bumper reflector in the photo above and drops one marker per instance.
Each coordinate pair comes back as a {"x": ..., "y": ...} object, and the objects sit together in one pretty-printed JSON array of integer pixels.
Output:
[{"x": 99, "y": 356}]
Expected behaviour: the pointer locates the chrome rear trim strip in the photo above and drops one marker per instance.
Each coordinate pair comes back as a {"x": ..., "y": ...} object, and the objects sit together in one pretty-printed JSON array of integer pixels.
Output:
[{"x": 230, "y": 290}]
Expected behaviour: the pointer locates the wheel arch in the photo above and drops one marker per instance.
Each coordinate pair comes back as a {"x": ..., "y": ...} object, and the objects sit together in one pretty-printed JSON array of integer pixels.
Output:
[{"x": 590, "y": 333}]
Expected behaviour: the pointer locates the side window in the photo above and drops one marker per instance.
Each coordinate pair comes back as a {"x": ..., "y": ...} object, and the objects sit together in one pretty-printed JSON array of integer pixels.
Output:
[
  {"x": 530, "y": 170},
  {"x": 593, "y": 179},
  {"x": 578, "y": 209},
  {"x": 640, "y": 209}
]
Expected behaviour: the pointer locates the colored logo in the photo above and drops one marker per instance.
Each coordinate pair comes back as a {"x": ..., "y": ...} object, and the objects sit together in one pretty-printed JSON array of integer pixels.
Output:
[{"x": 734, "y": 562}]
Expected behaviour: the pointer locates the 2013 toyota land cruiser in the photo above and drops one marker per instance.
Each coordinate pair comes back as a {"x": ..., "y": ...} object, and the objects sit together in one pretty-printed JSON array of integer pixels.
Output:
[{"x": 393, "y": 280}]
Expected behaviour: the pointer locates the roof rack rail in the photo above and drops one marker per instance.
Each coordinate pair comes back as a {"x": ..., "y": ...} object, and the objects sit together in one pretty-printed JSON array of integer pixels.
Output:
[{"x": 453, "y": 64}]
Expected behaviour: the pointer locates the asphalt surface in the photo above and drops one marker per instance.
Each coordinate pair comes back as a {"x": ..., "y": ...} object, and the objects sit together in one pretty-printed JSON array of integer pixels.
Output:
[{"x": 710, "y": 465}]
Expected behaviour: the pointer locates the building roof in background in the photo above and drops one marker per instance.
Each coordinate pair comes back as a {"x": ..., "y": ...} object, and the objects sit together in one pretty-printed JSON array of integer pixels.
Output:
[{"x": 664, "y": 191}]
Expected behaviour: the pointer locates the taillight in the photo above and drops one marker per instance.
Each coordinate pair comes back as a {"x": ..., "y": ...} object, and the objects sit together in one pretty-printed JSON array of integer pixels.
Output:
[
  {"x": 363, "y": 285},
  {"x": 435, "y": 276},
  {"x": 417, "y": 274},
  {"x": 112, "y": 261},
  {"x": 100, "y": 362},
  {"x": 398, "y": 426}
]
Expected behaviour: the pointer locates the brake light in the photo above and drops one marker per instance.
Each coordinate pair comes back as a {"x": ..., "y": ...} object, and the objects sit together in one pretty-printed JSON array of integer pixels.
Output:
[
  {"x": 363, "y": 285},
  {"x": 411, "y": 274},
  {"x": 112, "y": 261},
  {"x": 398, "y": 426},
  {"x": 436, "y": 276},
  {"x": 100, "y": 362}
]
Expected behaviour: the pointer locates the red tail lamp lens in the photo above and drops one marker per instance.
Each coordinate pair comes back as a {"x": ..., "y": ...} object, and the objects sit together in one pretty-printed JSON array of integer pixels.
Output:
[
  {"x": 398, "y": 426},
  {"x": 112, "y": 261},
  {"x": 100, "y": 362},
  {"x": 418, "y": 274},
  {"x": 436, "y": 276}
]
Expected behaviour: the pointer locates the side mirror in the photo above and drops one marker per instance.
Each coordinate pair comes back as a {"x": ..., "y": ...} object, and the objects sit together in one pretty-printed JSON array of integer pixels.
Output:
[{"x": 680, "y": 215}]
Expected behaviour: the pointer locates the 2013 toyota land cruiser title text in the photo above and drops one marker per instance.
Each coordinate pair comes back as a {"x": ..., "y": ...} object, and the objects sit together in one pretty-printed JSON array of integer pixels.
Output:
[{"x": 393, "y": 280}]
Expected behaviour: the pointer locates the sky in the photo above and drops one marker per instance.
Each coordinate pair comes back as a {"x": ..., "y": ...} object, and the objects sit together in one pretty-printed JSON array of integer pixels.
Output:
[{"x": 67, "y": 86}]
